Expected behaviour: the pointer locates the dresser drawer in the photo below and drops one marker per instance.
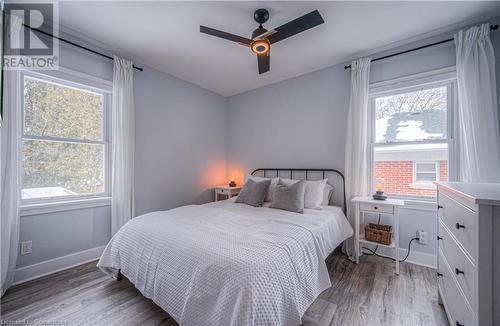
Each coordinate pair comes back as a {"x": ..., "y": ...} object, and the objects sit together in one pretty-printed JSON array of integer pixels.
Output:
[
  {"x": 460, "y": 264},
  {"x": 456, "y": 306},
  {"x": 461, "y": 221},
  {"x": 377, "y": 208}
]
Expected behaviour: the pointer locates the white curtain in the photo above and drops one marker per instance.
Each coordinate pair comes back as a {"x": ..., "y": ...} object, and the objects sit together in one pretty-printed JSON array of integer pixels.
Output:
[
  {"x": 10, "y": 143},
  {"x": 476, "y": 123},
  {"x": 357, "y": 156},
  {"x": 123, "y": 139}
]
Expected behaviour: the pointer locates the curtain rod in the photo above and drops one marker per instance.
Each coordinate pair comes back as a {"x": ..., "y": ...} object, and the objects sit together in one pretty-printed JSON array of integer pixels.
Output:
[
  {"x": 492, "y": 28},
  {"x": 74, "y": 44}
]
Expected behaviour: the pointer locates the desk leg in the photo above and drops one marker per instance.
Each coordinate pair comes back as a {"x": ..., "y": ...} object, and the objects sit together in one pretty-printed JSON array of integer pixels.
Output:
[
  {"x": 396, "y": 238},
  {"x": 356, "y": 232}
]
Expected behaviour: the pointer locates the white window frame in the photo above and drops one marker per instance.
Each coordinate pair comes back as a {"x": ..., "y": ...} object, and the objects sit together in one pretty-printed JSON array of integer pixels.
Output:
[
  {"x": 415, "y": 172},
  {"x": 435, "y": 78},
  {"x": 81, "y": 81}
]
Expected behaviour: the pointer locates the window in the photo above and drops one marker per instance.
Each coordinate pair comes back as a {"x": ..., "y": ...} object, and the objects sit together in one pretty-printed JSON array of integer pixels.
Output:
[
  {"x": 426, "y": 172},
  {"x": 64, "y": 140},
  {"x": 411, "y": 137}
]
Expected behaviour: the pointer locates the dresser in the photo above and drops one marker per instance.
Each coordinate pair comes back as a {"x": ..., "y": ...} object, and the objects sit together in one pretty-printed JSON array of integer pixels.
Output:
[{"x": 468, "y": 252}]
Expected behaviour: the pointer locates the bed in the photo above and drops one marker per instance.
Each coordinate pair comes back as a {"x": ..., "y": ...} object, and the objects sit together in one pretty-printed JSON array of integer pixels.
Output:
[{"x": 225, "y": 263}]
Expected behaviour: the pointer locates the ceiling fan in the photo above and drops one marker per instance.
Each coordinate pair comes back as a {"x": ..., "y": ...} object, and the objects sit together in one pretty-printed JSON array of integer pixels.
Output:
[{"x": 261, "y": 40}]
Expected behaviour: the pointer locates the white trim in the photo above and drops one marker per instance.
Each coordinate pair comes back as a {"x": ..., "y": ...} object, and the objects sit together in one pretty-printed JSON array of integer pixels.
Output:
[
  {"x": 31, "y": 272},
  {"x": 421, "y": 205},
  {"x": 424, "y": 79},
  {"x": 60, "y": 206},
  {"x": 416, "y": 257},
  {"x": 79, "y": 79}
]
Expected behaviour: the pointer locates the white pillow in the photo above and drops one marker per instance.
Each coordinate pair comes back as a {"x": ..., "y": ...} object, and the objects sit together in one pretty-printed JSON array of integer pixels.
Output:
[
  {"x": 327, "y": 194},
  {"x": 313, "y": 194},
  {"x": 270, "y": 190}
]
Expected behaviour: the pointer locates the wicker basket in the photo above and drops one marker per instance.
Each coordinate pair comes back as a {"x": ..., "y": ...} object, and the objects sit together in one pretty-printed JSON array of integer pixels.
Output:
[{"x": 378, "y": 233}]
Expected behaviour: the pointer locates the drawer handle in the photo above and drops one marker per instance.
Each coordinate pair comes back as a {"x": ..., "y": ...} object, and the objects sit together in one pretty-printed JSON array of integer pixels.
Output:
[
  {"x": 439, "y": 274},
  {"x": 439, "y": 206},
  {"x": 457, "y": 271},
  {"x": 375, "y": 207},
  {"x": 439, "y": 238},
  {"x": 458, "y": 324},
  {"x": 458, "y": 226}
]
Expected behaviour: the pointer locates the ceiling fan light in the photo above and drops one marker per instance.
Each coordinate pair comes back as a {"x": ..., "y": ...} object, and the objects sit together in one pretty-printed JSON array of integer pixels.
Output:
[{"x": 260, "y": 46}]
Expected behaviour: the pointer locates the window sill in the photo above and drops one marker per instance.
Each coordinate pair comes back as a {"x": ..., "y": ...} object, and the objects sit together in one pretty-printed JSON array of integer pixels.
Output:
[
  {"x": 423, "y": 186},
  {"x": 61, "y": 206},
  {"x": 422, "y": 205}
]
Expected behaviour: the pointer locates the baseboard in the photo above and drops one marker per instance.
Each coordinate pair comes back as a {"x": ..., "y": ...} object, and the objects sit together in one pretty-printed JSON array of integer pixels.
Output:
[
  {"x": 31, "y": 272},
  {"x": 415, "y": 257}
]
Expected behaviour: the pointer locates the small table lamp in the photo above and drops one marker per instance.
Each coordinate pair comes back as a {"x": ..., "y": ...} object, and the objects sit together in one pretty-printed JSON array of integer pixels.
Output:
[
  {"x": 232, "y": 183},
  {"x": 379, "y": 190}
]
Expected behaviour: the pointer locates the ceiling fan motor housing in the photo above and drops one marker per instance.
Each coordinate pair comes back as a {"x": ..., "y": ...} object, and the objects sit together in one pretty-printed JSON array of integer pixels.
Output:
[{"x": 261, "y": 15}]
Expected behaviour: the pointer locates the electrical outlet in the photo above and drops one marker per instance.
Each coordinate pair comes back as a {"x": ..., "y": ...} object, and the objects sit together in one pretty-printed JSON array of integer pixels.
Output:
[
  {"x": 422, "y": 237},
  {"x": 26, "y": 247}
]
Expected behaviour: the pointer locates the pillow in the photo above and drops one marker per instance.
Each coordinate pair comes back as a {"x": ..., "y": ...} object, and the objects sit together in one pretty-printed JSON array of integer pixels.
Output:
[
  {"x": 289, "y": 197},
  {"x": 313, "y": 194},
  {"x": 270, "y": 191},
  {"x": 327, "y": 194},
  {"x": 253, "y": 193}
]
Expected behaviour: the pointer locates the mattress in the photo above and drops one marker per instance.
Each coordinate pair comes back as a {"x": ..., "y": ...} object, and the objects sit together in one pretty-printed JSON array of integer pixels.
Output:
[{"x": 228, "y": 264}]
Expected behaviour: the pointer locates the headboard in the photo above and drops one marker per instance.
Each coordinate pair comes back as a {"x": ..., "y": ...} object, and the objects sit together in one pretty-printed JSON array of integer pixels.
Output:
[{"x": 335, "y": 179}]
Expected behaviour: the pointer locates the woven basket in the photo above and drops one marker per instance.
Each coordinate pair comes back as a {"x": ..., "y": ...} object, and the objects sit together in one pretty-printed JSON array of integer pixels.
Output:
[{"x": 378, "y": 233}]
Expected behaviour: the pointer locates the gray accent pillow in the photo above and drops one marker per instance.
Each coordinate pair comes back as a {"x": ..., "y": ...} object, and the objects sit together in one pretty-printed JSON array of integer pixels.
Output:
[
  {"x": 253, "y": 193},
  {"x": 327, "y": 194},
  {"x": 289, "y": 197}
]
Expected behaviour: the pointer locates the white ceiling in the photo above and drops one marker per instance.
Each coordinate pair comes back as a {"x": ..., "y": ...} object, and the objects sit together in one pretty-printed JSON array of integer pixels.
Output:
[{"x": 165, "y": 35}]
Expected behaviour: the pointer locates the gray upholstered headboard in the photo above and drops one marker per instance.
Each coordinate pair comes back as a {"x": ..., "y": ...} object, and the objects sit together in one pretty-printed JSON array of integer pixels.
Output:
[{"x": 335, "y": 179}]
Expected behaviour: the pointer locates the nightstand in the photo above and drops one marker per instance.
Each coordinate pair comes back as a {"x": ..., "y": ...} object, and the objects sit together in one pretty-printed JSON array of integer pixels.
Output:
[
  {"x": 226, "y": 192},
  {"x": 369, "y": 205}
]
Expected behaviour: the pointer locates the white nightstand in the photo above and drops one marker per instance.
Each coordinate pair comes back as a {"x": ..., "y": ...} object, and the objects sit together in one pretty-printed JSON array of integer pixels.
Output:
[
  {"x": 226, "y": 192},
  {"x": 370, "y": 205}
]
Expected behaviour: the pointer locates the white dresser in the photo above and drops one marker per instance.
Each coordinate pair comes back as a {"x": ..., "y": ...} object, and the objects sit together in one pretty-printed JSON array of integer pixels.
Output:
[{"x": 468, "y": 253}]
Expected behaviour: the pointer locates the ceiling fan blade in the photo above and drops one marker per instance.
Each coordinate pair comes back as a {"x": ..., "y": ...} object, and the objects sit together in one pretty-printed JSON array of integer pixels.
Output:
[
  {"x": 296, "y": 26},
  {"x": 225, "y": 35},
  {"x": 264, "y": 35},
  {"x": 263, "y": 61}
]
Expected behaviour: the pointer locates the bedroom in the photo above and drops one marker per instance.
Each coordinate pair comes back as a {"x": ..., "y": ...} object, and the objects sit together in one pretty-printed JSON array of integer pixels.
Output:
[{"x": 381, "y": 93}]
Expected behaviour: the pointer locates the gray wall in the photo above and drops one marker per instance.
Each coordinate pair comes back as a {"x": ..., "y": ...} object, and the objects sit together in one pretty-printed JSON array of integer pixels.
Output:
[
  {"x": 301, "y": 122},
  {"x": 180, "y": 142},
  {"x": 180, "y": 154}
]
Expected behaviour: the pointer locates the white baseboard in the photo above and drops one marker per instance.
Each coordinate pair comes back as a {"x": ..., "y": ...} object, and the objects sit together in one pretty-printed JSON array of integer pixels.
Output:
[
  {"x": 31, "y": 272},
  {"x": 415, "y": 257}
]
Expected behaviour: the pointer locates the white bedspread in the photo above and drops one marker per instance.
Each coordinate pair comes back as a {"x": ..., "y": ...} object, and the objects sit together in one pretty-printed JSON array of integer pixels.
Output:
[{"x": 229, "y": 264}]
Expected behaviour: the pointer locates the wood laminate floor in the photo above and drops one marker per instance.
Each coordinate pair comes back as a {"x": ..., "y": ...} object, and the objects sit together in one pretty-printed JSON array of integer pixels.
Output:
[{"x": 365, "y": 294}]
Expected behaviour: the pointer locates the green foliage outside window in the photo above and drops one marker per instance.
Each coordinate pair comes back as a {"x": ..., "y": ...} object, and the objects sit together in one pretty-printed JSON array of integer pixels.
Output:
[{"x": 68, "y": 117}]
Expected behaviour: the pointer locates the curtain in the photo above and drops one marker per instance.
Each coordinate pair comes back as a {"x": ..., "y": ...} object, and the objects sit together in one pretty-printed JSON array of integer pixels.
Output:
[
  {"x": 123, "y": 139},
  {"x": 357, "y": 156},
  {"x": 476, "y": 124},
  {"x": 10, "y": 143}
]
